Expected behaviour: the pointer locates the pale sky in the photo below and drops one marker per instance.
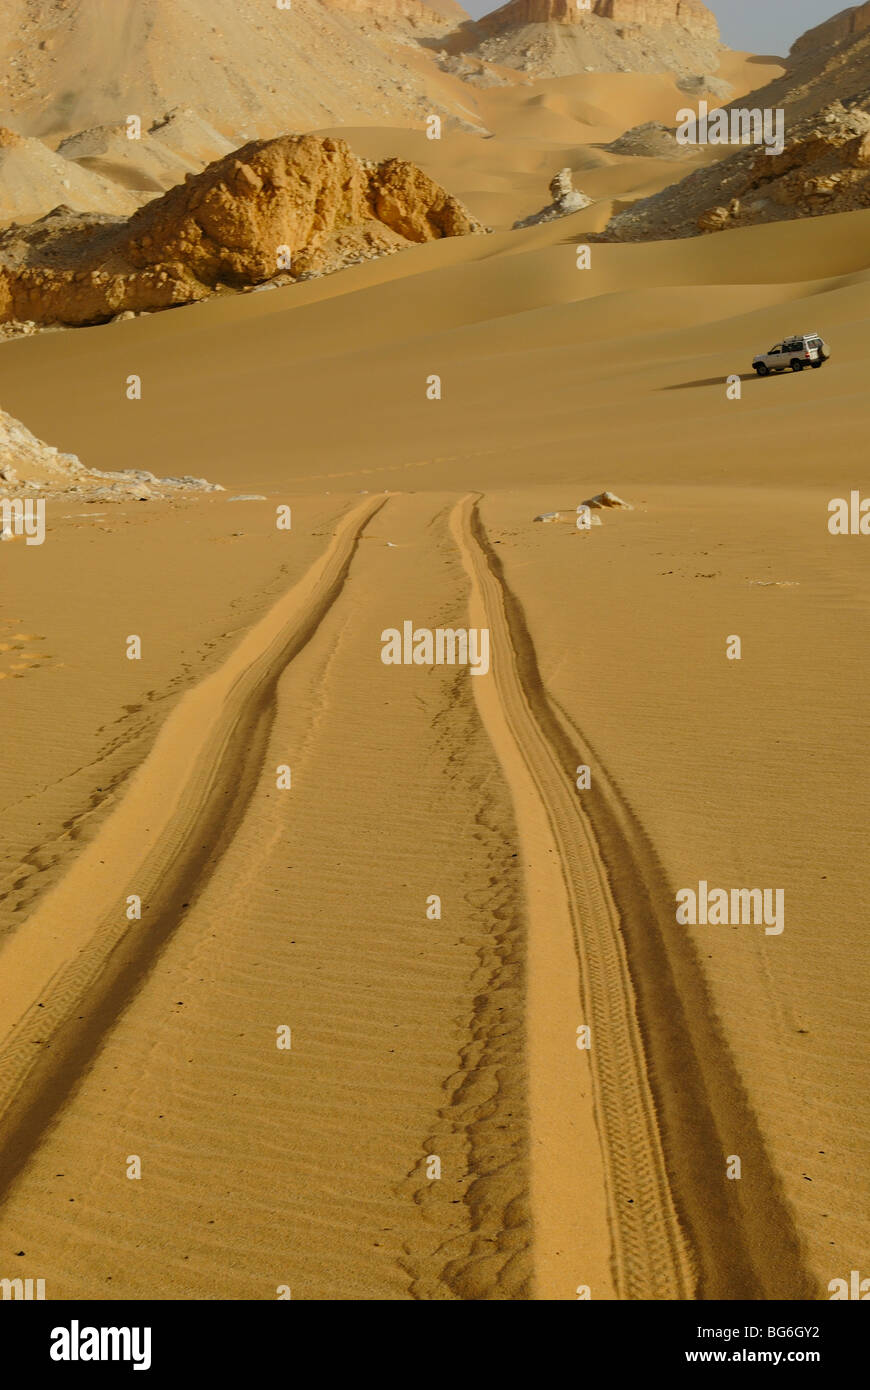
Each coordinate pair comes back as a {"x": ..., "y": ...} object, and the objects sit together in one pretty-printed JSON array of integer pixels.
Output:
[{"x": 760, "y": 26}]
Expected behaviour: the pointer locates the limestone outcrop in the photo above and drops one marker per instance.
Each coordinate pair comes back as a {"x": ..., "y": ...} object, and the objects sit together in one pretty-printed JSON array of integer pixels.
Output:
[
  {"x": 30, "y": 467},
  {"x": 293, "y": 207},
  {"x": 565, "y": 199}
]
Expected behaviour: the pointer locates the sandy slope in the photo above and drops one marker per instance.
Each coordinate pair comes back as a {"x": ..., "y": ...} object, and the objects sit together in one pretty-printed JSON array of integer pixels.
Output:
[
  {"x": 455, "y": 1037},
  {"x": 247, "y": 66}
]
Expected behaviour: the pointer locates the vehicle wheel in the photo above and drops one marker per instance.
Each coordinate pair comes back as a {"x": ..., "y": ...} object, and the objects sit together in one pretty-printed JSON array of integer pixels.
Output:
[
  {"x": 762, "y": 370},
  {"x": 797, "y": 366},
  {"x": 816, "y": 366}
]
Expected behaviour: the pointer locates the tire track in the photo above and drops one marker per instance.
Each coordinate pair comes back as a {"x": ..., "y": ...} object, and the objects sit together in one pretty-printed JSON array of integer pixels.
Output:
[
  {"x": 68, "y": 970},
  {"x": 651, "y": 1257},
  {"x": 723, "y": 1240}
]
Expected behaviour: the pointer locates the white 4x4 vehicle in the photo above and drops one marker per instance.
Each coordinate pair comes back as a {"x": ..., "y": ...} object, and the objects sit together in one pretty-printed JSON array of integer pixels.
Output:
[{"x": 806, "y": 350}]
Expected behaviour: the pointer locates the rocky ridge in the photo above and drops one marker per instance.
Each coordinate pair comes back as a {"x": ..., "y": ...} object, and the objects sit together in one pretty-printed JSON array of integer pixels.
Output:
[
  {"x": 824, "y": 168},
  {"x": 691, "y": 15},
  {"x": 843, "y": 27}
]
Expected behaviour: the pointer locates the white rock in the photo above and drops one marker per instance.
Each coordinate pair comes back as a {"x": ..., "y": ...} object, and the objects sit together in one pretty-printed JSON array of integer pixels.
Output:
[{"x": 607, "y": 499}]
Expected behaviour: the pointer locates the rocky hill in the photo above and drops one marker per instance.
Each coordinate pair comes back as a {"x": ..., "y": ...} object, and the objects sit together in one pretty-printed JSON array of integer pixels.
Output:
[
  {"x": 842, "y": 27},
  {"x": 824, "y": 167},
  {"x": 829, "y": 63},
  {"x": 246, "y": 66},
  {"x": 273, "y": 211},
  {"x": 554, "y": 38}
]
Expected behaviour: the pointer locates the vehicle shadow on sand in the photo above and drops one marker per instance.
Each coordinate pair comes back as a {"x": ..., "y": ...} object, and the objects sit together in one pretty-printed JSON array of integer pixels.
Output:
[{"x": 721, "y": 380}]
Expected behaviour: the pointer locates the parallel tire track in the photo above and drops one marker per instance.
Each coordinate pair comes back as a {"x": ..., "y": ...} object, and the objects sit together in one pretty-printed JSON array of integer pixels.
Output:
[
  {"x": 652, "y": 1259},
  {"x": 69, "y": 969},
  {"x": 670, "y": 1102}
]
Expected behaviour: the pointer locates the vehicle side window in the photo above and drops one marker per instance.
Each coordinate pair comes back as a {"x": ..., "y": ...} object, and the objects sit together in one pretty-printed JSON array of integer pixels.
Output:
[{"x": 778, "y": 348}]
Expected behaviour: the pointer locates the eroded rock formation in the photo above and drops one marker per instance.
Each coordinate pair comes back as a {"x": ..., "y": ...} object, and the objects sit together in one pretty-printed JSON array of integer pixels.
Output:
[{"x": 298, "y": 205}]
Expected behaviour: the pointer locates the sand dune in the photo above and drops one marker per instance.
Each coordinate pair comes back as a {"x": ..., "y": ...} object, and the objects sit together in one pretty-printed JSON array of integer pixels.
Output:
[
  {"x": 461, "y": 311},
  {"x": 533, "y": 132},
  {"x": 434, "y": 1132},
  {"x": 516, "y": 298}
]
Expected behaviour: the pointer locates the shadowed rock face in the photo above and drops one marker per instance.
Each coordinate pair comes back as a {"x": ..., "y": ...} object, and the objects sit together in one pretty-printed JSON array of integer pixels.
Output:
[
  {"x": 847, "y": 25},
  {"x": 233, "y": 225}
]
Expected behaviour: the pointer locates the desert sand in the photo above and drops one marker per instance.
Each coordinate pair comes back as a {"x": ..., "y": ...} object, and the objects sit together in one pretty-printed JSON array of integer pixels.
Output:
[{"x": 307, "y": 907}]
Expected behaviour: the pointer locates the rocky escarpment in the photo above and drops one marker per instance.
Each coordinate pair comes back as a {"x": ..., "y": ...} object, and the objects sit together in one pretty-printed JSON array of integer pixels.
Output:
[
  {"x": 292, "y": 207},
  {"x": 843, "y": 27},
  {"x": 557, "y": 37},
  {"x": 691, "y": 15},
  {"x": 830, "y": 63}
]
